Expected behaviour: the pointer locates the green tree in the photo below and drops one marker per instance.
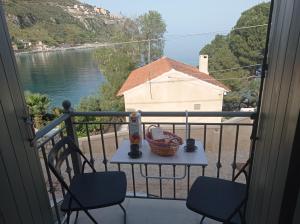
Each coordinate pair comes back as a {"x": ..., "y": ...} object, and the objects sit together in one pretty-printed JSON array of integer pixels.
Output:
[
  {"x": 248, "y": 44},
  {"x": 38, "y": 106},
  {"x": 116, "y": 62},
  {"x": 90, "y": 103},
  {"x": 241, "y": 47},
  {"x": 152, "y": 26},
  {"x": 221, "y": 58}
]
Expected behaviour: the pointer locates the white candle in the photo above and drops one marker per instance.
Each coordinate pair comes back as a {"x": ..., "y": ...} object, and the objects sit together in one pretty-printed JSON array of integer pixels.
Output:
[{"x": 186, "y": 125}]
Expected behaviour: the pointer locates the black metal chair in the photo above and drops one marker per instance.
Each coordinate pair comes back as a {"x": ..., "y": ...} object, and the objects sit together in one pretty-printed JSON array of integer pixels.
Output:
[
  {"x": 218, "y": 199},
  {"x": 86, "y": 190}
]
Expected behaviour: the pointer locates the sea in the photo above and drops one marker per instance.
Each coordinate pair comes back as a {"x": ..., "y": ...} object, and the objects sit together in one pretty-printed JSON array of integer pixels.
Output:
[{"x": 62, "y": 75}]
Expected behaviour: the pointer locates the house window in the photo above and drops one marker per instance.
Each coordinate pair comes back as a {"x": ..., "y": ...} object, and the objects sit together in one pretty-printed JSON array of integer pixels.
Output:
[{"x": 197, "y": 106}]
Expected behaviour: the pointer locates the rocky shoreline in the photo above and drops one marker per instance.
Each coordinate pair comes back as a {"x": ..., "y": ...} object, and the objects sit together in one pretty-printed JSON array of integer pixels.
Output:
[{"x": 54, "y": 49}]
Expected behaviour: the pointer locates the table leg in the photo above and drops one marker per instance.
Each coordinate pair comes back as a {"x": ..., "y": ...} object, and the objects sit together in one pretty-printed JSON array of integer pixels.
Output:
[{"x": 162, "y": 178}]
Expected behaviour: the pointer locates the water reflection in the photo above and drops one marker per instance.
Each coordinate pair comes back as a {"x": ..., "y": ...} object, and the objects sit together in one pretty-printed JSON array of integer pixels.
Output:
[{"x": 61, "y": 75}]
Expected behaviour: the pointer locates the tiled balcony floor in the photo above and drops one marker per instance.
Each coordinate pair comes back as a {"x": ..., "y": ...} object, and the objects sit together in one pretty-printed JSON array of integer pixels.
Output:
[{"x": 146, "y": 211}]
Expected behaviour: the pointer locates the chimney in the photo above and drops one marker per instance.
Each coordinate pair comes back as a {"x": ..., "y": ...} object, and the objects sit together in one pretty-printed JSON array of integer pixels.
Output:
[{"x": 203, "y": 63}]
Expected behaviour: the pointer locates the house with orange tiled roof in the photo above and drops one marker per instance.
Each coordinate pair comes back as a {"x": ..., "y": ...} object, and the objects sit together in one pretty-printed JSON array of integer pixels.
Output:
[{"x": 170, "y": 85}]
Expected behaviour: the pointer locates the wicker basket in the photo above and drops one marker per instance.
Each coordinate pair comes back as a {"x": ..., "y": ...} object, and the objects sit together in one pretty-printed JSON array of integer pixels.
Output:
[{"x": 164, "y": 147}]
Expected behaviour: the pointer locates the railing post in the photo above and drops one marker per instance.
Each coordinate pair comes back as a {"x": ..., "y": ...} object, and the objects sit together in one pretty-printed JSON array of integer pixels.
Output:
[{"x": 76, "y": 160}]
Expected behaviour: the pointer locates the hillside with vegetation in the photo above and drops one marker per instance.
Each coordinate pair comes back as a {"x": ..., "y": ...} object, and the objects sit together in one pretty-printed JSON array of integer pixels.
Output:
[
  {"x": 33, "y": 23},
  {"x": 240, "y": 48}
]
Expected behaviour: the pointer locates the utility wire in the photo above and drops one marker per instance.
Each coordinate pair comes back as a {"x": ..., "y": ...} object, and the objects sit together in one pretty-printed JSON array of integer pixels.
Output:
[
  {"x": 194, "y": 79},
  {"x": 220, "y": 79},
  {"x": 233, "y": 78},
  {"x": 235, "y": 68},
  {"x": 175, "y": 36},
  {"x": 214, "y": 32},
  {"x": 217, "y": 59}
]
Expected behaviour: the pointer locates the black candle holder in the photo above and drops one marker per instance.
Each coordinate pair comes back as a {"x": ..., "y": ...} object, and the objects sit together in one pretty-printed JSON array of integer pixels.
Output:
[
  {"x": 134, "y": 151},
  {"x": 190, "y": 145}
]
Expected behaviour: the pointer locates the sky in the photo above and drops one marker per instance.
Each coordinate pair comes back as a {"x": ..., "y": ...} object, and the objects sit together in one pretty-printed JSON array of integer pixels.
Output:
[{"x": 184, "y": 17}]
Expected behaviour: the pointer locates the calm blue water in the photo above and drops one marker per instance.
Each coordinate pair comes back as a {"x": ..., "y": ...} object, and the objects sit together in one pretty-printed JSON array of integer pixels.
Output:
[
  {"x": 61, "y": 75},
  {"x": 74, "y": 74}
]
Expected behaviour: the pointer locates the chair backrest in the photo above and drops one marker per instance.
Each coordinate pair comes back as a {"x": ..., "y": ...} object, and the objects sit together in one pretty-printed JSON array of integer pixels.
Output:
[
  {"x": 243, "y": 169},
  {"x": 60, "y": 153}
]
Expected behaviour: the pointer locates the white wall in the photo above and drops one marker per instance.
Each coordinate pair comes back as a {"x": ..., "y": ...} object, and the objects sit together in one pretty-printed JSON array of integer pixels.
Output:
[{"x": 175, "y": 91}]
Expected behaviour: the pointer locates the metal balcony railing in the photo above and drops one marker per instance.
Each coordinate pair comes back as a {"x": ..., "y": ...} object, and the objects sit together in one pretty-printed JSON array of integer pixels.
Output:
[{"x": 225, "y": 143}]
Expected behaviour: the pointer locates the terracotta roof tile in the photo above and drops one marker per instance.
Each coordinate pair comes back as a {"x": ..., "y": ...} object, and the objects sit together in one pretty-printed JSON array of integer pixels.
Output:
[{"x": 161, "y": 66}]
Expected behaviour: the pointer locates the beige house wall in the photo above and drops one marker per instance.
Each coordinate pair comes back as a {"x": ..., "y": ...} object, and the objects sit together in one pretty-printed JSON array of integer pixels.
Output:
[{"x": 175, "y": 91}]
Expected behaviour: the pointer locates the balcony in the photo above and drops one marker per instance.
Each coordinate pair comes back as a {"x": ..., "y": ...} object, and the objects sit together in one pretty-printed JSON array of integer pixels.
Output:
[
  {"x": 226, "y": 145},
  {"x": 274, "y": 192},
  {"x": 154, "y": 211}
]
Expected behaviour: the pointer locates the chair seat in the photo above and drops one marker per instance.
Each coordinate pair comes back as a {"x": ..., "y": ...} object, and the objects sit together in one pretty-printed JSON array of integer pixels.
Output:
[
  {"x": 96, "y": 190},
  {"x": 216, "y": 198}
]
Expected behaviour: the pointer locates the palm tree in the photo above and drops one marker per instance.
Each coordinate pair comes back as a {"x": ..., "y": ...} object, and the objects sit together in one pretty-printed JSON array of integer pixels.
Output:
[{"x": 38, "y": 105}]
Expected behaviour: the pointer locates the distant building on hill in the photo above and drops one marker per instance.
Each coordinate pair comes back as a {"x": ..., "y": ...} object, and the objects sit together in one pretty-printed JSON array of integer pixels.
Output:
[
  {"x": 97, "y": 10},
  {"x": 101, "y": 11},
  {"x": 22, "y": 44},
  {"x": 15, "y": 47},
  {"x": 169, "y": 85},
  {"x": 39, "y": 46},
  {"x": 115, "y": 16}
]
